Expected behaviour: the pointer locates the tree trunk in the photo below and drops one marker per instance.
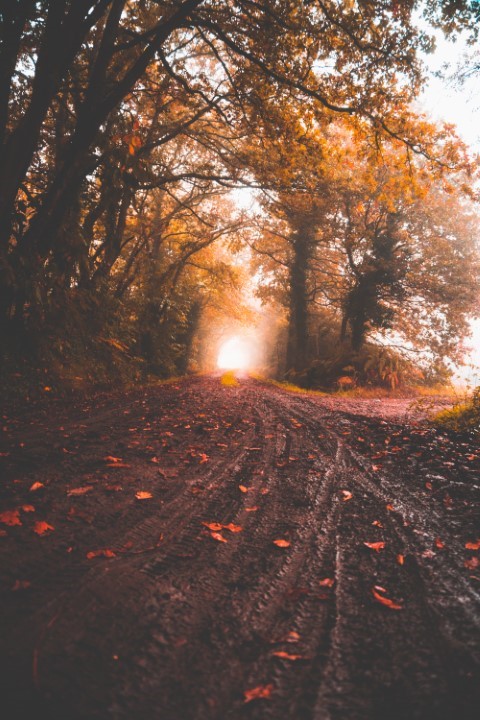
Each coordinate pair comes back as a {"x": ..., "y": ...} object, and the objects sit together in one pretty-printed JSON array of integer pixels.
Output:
[{"x": 298, "y": 318}]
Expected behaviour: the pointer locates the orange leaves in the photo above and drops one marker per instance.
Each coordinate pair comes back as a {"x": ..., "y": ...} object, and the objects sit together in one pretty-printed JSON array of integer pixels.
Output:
[
  {"x": 75, "y": 492},
  {"x": 383, "y": 600},
  {"x": 292, "y": 637},
  {"x": 214, "y": 526},
  {"x": 261, "y": 692},
  {"x": 242, "y": 488},
  {"x": 233, "y": 528},
  {"x": 115, "y": 462},
  {"x": 439, "y": 544},
  {"x": 100, "y": 553},
  {"x": 286, "y": 656},
  {"x": 326, "y": 582},
  {"x": 473, "y": 545},
  {"x": 281, "y": 543},
  {"x": 390, "y": 507},
  {"x": 254, "y": 508},
  {"x": 28, "y": 508},
  {"x": 347, "y": 495},
  {"x": 215, "y": 530},
  {"x": 377, "y": 546},
  {"x": 36, "y": 486},
  {"x": 143, "y": 495},
  {"x": 41, "y": 527},
  {"x": 400, "y": 559},
  {"x": 10, "y": 517},
  {"x": 219, "y": 538}
]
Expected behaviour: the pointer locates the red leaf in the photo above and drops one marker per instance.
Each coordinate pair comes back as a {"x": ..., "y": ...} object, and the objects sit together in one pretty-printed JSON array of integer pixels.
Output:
[
  {"x": 282, "y": 543},
  {"x": 36, "y": 486},
  {"x": 439, "y": 544},
  {"x": 375, "y": 545},
  {"x": 28, "y": 508},
  {"x": 213, "y": 526},
  {"x": 10, "y": 517},
  {"x": 101, "y": 553},
  {"x": 400, "y": 559},
  {"x": 233, "y": 528},
  {"x": 327, "y": 582},
  {"x": 74, "y": 492},
  {"x": 261, "y": 692},
  {"x": 286, "y": 656},
  {"x": 473, "y": 545},
  {"x": 386, "y": 601},
  {"x": 242, "y": 488},
  {"x": 41, "y": 527},
  {"x": 219, "y": 538}
]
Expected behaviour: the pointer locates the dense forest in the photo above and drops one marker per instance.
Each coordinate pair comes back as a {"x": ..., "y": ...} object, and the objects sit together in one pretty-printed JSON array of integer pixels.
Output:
[{"x": 131, "y": 133}]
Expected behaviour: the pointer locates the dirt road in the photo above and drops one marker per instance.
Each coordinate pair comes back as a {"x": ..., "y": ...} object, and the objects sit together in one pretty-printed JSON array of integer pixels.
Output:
[{"x": 118, "y": 601}]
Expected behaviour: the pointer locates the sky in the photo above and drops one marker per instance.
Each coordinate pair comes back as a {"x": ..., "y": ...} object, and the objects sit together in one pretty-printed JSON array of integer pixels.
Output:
[{"x": 447, "y": 100}]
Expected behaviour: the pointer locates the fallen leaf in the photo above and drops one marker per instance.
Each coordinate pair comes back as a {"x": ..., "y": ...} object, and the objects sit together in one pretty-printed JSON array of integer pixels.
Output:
[
  {"x": 28, "y": 508},
  {"x": 219, "y": 538},
  {"x": 282, "y": 543},
  {"x": 292, "y": 637},
  {"x": 439, "y": 544},
  {"x": 21, "y": 585},
  {"x": 100, "y": 553},
  {"x": 400, "y": 559},
  {"x": 326, "y": 582},
  {"x": 259, "y": 692},
  {"x": 41, "y": 527},
  {"x": 390, "y": 507},
  {"x": 112, "y": 459},
  {"x": 117, "y": 465},
  {"x": 377, "y": 523},
  {"x": 213, "y": 526},
  {"x": 286, "y": 656},
  {"x": 375, "y": 545},
  {"x": 473, "y": 545},
  {"x": 233, "y": 528},
  {"x": 79, "y": 491},
  {"x": 203, "y": 458},
  {"x": 472, "y": 563},
  {"x": 385, "y": 601},
  {"x": 347, "y": 495},
  {"x": 36, "y": 486},
  {"x": 242, "y": 488},
  {"x": 143, "y": 495},
  {"x": 264, "y": 491},
  {"x": 252, "y": 509},
  {"x": 10, "y": 517}
]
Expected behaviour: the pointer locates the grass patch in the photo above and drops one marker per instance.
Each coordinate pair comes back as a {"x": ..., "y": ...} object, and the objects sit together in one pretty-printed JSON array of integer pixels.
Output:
[{"x": 462, "y": 419}]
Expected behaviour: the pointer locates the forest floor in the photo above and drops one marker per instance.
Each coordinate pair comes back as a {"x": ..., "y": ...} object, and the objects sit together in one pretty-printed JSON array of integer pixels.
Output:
[{"x": 200, "y": 551}]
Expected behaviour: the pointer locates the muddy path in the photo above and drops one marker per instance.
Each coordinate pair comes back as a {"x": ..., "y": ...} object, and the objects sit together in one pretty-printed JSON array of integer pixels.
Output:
[{"x": 118, "y": 601}]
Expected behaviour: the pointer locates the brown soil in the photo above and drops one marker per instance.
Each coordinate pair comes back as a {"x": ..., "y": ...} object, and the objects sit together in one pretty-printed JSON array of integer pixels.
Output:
[{"x": 172, "y": 623}]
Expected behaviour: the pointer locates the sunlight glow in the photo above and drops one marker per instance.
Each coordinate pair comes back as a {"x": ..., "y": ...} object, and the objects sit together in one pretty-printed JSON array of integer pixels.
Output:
[{"x": 235, "y": 354}]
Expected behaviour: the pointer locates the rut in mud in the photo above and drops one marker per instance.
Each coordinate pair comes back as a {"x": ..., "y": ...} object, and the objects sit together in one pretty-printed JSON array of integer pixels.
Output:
[{"x": 129, "y": 606}]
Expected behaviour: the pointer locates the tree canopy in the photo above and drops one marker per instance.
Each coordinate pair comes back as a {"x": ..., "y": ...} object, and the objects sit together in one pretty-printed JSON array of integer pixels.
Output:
[{"x": 125, "y": 126}]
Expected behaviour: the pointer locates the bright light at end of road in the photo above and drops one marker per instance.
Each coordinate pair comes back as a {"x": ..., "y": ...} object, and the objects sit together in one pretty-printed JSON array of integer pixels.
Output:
[{"x": 235, "y": 354}]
